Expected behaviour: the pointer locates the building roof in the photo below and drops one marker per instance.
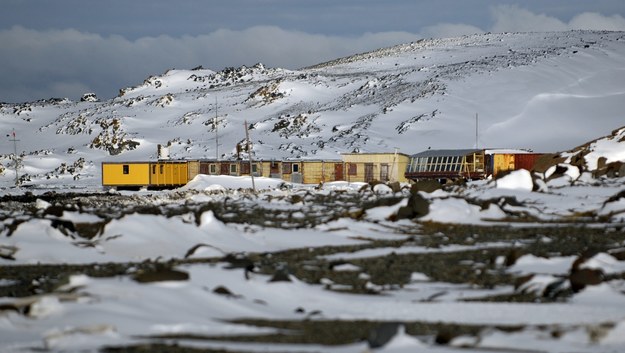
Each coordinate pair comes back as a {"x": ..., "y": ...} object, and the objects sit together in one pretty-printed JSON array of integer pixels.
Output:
[
  {"x": 372, "y": 153},
  {"x": 445, "y": 153},
  {"x": 507, "y": 151}
]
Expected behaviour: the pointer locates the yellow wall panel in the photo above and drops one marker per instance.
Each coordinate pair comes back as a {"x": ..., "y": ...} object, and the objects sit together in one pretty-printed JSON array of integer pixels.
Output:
[
  {"x": 113, "y": 174},
  {"x": 502, "y": 163}
]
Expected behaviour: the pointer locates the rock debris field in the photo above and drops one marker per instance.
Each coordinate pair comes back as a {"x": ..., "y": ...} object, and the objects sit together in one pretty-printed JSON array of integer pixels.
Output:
[{"x": 331, "y": 268}]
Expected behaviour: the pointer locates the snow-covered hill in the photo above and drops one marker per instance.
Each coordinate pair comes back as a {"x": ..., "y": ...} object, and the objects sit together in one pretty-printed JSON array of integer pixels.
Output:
[{"x": 543, "y": 91}]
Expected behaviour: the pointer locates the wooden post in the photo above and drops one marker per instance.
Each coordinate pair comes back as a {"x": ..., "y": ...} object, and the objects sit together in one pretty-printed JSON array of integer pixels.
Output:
[{"x": 249, "y": 153}]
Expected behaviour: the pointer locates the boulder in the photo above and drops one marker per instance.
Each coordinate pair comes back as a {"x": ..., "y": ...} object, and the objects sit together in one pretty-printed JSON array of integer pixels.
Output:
[
  {"x": 426, "y": 186},
  {"x": 584, "y": 277},
  {"x": 382, "y": 334},
  {"x": 417, "y": 207}
]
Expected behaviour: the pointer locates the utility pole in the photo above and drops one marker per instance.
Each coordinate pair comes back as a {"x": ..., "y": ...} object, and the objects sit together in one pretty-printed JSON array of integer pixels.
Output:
[
  {"x": 476, "y": 132},
  {"x": 216, "y": 132},
  {"x": 249, "y": 153},
  {"x": 14, "y": 139}
]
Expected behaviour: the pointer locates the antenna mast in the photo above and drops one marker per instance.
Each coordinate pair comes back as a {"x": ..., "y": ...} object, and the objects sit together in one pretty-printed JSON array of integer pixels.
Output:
[
  {"x": 14, "y": 139},
  {"x": 216, "y": 132},
  {"x": 476, "y": 131}
]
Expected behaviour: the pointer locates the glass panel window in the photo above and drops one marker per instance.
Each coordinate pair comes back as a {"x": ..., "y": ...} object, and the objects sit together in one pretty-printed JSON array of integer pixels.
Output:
[
  {"x": 233, "y": 168},
  {"x": 254, "y": 168},
  {"x": 352, "y": 169},
  {"x": 213, "y": 169},
  {"x": 295, "y": 168},
  {"x": 126, "y": 169}
]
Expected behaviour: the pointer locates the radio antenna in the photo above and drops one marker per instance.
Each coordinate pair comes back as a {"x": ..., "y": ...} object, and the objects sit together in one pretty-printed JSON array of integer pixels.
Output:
[
  {"x": 216, "y": 132},
  {"x": 476, "y": 131}
]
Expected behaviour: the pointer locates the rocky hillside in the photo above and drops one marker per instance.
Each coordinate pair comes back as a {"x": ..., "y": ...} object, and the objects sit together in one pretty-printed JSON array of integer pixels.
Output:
[{"x": 523, "y": 90}]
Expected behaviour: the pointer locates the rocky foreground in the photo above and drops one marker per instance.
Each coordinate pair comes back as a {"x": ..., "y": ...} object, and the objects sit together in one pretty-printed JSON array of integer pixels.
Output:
[{"x": 372, "y": 267}]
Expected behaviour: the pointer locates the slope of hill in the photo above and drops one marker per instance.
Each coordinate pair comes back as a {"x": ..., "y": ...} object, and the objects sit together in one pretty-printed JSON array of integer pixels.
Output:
[{"x": 542, "y": 91}]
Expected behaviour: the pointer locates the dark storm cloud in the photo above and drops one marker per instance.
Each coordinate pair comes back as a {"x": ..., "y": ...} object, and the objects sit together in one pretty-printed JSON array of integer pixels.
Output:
[
  {"x": 66, "y": 48},
  {"x": 67, "y": 63}
]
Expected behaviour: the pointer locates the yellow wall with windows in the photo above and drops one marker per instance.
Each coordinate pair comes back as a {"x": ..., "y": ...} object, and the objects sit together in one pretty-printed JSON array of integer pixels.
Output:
[
  {"x": 395, "y": 163},
  {"x": 315, "y": 172},
  {"x": 113, "y": 174}
]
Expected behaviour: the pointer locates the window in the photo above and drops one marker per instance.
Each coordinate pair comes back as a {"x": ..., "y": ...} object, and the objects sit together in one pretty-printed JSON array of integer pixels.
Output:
[
  {"x": 213, "y": 169},
  {"x": 160, "y": 168},
  {"x": 384, "y": 172},
  {"x": 233, "y": 168},
  {"x": 352, "y": 169},
  {"x": 153, "y": 169},
  {"x": 254, "y": 168},
  {"x": 295, "y": 168},
  {"x": 126, "y": 169}
]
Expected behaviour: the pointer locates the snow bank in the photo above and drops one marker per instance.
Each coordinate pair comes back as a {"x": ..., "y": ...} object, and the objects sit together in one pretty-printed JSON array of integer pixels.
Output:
[
  {"x": 457, "y": 210},
  {"x": 203, "y": 182},
  {"x": 518, "y": 180}
]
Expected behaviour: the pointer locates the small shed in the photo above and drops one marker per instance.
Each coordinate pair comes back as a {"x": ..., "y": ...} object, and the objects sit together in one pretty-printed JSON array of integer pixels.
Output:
[{"x": 502, "y": 160}]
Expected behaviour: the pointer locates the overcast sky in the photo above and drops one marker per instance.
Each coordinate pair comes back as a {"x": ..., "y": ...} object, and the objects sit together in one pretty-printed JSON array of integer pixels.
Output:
[{"x": 64, "y": 48}]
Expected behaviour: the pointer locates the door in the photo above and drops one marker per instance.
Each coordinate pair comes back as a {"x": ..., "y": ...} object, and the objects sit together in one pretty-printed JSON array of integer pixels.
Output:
[
  {"x": 225, "y": 169},
  {"x": 338, "y": 171},
  {"x": 245, "y": 168},
  {"x": 368, "y": 172},
  {"x": 274, "y": 170}
]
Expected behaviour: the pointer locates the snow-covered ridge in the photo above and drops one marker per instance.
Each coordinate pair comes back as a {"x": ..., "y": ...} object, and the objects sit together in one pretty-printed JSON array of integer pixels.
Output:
[
  {"x": 530, "y": 90},
  {"x": 533, "y": 42}
]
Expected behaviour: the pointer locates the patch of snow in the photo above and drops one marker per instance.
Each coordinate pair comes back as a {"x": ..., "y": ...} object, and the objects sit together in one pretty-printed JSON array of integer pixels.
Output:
[{"x": 518, "y": 180}]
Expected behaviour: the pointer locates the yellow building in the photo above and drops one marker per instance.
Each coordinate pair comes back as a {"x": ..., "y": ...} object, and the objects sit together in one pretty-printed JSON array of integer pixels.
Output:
[
  {"x": 159, "y": 175},
  {"x": 296, "y": 171},
  {"x": 366, "y": 167},
  {"x": 163, "y": 174}
]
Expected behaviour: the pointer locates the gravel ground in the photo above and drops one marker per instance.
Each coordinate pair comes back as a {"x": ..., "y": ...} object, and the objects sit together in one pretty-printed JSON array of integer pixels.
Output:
[{"x": 480, "y": 268}]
